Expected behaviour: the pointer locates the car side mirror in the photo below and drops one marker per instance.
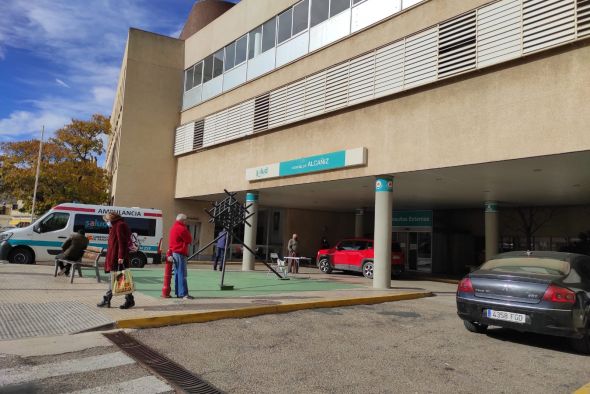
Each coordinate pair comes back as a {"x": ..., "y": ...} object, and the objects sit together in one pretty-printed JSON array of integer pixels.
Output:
[{"x": 37, "y": 228}]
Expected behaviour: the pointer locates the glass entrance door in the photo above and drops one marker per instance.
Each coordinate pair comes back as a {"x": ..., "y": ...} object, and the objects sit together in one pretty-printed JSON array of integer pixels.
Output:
[{"x": 417, "y": 248}]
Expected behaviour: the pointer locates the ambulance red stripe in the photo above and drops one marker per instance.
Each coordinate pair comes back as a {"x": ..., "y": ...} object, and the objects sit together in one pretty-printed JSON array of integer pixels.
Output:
[{"x": 75, "y": 209}]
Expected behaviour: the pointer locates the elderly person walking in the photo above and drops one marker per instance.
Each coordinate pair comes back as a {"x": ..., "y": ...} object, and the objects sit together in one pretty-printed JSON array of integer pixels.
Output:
[
  {"x": 180, "y": 239},
  {"x": 117, "y": 256},
  {"x": 292, "y": 247}
]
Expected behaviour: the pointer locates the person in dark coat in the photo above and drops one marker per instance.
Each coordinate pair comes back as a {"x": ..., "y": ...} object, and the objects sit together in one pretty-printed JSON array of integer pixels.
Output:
[
  {"x": 117, "y": 256},
  {"x": 72, "y": 250},
  {"x": 220, "y": 250}
]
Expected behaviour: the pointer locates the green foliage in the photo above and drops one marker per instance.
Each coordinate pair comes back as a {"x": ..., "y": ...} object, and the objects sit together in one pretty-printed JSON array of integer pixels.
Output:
[{"x": 69, "y": 169}]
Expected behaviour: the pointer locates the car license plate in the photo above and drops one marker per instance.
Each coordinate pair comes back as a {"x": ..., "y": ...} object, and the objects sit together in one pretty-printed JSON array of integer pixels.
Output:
[{"x": 506, "y": 316}]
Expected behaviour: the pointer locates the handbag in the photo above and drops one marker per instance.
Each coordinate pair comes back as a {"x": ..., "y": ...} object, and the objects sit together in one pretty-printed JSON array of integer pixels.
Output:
[{"x": 123, "y": 283}]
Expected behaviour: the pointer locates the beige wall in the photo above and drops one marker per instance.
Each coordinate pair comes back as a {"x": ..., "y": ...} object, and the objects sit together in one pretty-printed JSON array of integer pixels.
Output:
[
  {"x": 246, "y": 16},
  {"x": 501, "y": 114},
  {"x": 151, "y": 105},
  {"x": 311, "y": 226}
]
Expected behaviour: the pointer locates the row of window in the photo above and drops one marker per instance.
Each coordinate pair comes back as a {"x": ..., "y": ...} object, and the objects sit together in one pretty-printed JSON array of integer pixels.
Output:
[
  {"x": 293, "y": 21},
  {"x": 95, "y": 224}
]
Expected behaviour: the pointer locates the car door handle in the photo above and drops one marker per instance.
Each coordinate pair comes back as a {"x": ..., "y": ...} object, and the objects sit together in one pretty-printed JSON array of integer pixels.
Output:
[{"x": 61, "y": 237}]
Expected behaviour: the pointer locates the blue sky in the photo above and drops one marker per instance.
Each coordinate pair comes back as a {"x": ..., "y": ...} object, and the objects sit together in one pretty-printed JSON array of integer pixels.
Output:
[{"x": 60, "y": 59}]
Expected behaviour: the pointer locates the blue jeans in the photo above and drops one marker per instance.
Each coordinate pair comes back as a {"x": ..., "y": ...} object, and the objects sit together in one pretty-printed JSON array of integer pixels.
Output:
[
  {"x": 219, "y": 252},
  {"x": 180, "y": 285}
]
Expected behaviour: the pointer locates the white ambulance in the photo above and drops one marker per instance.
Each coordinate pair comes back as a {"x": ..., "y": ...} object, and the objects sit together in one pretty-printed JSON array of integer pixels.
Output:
[{"x": 42, "y": 240}]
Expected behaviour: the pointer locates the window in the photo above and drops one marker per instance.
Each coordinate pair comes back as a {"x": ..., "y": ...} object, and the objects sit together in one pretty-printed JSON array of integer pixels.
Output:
[
  {"x": 320, "y": 11},
  {"x": 208, "y": 68},
  {"x": 255, "y": 42},
  {"x": 53, "y": 222},
  {"x": 142, "y": 227},
  {"x": 188, "y": 79},
  {"x": 347, "y": 245},
  {"x": 218, "y": 63},
  {"x": 300, "y": 17},
  {"x": 230, "y": 56},
  {"x": 269, "y": 33},
  {"x": 198, "y": 79},
  {"x": 93, "y": 224},
  {"x": 285, "y": 25},
  {"x": 355, "y": 2},
  {"x": 241, "y": 50},
  {"x": 337, "y": 6},
  {"x": 360, "y": 245}
]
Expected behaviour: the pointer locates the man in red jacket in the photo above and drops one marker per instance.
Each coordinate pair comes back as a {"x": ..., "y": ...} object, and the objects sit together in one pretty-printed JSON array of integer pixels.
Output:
[{"x": 180, "y": 239}]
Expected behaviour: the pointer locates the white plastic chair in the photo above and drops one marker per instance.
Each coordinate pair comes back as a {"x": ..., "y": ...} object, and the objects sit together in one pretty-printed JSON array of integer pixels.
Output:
[{"x": 278, "y": 264}]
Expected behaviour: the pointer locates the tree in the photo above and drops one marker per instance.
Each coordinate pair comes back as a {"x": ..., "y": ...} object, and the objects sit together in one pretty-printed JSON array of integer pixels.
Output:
[
  {"x": 529, "y": 220},
  {"x": 69, "y": 166}
]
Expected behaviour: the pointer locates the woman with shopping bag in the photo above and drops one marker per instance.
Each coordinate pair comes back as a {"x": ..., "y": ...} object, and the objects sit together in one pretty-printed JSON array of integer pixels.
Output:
[{"x": 117, "y": 262}]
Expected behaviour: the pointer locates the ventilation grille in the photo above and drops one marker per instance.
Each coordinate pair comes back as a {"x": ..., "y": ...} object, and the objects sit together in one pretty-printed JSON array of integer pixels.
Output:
[
  {"x": 456, "y": 45},
  {"x": 277, "y": 108},
  {"x": 261, "y": 108},
  {"x": 199, "y": 130},
  {"x": 184, "y": 138},
  {"x": 337, "y": 87},
  {"x": 583, "y": 18},
  {"x": 389, "y": 69},
  {"x": 421, "y": 58},
  {"x": 315, "y": 89},
  {"x": 499, "y": 30},
  {"x": 361, "y": 79},
  {"x": 547, "y": 23},
  {"x": 295, "y": 107}
]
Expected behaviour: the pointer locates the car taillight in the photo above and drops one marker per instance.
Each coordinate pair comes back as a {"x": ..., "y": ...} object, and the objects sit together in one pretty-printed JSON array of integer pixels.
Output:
[
  {"x": 559, "y": 295},
  {"x": 465, "y": 286}
]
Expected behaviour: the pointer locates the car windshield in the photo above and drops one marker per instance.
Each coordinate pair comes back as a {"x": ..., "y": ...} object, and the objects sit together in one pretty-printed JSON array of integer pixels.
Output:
[{"x": 530, "y": 265}]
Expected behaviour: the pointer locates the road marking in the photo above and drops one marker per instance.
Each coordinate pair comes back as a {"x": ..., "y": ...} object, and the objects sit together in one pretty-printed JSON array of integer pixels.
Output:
[
  {"x": 38, "y": 372},
  {"x": 145, "y": 385},
  {"x": 583, "y": 390}
]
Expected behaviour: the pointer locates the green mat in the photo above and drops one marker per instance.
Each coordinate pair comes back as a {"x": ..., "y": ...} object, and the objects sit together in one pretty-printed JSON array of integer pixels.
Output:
[{"x": 205, "y": 283}]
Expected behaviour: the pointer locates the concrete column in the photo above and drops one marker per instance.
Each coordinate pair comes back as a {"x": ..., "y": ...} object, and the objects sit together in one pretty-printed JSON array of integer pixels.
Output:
[
  {"x": 359, "y": 218},
  {"x": 250, "y": 232},
  {"x": 383, "y": 223},
  {"x": 492, "y": 229}
]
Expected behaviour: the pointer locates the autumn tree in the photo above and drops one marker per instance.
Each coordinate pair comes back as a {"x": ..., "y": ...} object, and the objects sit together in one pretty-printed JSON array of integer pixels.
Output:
[{"x": 69, "y": 166}]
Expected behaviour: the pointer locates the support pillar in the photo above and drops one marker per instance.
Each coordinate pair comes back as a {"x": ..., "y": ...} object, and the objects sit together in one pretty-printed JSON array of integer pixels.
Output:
[
  {"x": 383, "y": 228},
  {"x": 250, "y": 232},
  {"x": 492, "y": 229},
  {"x": 359, "y": 218}
]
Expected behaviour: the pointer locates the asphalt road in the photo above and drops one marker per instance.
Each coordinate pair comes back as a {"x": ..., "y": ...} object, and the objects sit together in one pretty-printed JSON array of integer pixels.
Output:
[{"x": 415, "y": 346}]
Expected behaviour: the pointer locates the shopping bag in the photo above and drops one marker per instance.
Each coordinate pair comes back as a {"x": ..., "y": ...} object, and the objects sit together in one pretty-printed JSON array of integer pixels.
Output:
[{"x": 123, "y": 283}]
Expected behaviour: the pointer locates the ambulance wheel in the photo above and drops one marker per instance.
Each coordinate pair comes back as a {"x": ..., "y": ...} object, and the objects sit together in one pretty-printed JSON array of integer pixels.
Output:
[
  {"x": 21, "y": 256},
  {"x": 137, "y": 260}
]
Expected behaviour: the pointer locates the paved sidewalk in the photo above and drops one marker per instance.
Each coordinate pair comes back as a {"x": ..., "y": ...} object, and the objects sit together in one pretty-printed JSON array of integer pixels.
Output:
[{"x": 34, "y": 303}]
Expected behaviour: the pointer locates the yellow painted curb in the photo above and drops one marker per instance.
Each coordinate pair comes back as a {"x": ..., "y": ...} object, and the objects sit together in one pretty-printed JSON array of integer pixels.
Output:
[
  {"x": 202, "y": 317},
  {"x": 583, "y": 390}
]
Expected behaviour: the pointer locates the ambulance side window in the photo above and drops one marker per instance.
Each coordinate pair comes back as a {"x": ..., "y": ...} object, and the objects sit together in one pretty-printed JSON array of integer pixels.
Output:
[{"x": 55, "y": 221}]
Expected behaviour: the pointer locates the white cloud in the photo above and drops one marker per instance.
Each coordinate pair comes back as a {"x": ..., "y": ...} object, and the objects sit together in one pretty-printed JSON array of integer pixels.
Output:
[
  {"x": 79, "y": 41},
  {"x": 61, "y": 83}
]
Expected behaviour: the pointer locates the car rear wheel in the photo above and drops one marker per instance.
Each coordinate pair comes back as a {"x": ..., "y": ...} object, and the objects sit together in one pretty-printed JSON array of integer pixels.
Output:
[
  {"x": 21, "y": 256},
  {"x": 368, "y": 269},
  {"x": 324, "y": 266},
  {"x": 475, "y": 327},
  {"x": 137, "y": 260},
  {"x": 582, "y": 345}
]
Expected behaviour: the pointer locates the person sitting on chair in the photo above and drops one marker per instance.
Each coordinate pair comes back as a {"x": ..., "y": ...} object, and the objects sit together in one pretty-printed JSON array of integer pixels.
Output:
[{"x": 72, "y": 250}]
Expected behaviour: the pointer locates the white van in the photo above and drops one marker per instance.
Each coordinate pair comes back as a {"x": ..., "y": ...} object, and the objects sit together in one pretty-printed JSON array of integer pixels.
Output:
[{"x": 42, "y": 240}]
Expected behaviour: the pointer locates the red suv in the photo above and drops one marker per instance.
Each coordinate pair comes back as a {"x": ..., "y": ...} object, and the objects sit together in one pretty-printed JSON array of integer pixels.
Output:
[{"x": 357, "y": 255}]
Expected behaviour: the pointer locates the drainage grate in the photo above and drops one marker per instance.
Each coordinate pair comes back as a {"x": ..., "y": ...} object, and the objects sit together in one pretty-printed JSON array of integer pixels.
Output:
[{"x": 174, "y": 373}]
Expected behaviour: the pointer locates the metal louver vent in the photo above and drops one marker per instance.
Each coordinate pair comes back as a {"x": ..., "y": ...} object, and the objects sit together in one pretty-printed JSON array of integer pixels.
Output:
[
  {"x": 277, "y": 107},
  {"x": 209, "y": 132},
  {"x": 239, "y": 120},
  {"x": 456, "y": 45},
  {"x": 337, "y": 87},
  {"x": 547, "y": 23},
  {"x": 183, "y": 142},
  {"x": 421, "y": 58},
  {"x": 315, "y": 94},
  {"x": 499, "y": 29},
  {"x": 199, "y": 129},
  {"x": 361, "y": 79},
  {"x": 295, "y": 107},
  {"x": 389, "y": 69},
  {"x": 583, "y": 18},
  {"x": 261, "y": 109}
]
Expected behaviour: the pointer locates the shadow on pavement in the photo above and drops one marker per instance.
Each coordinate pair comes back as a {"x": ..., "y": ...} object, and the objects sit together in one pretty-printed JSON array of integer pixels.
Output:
[{"x": 548, "y": 342}]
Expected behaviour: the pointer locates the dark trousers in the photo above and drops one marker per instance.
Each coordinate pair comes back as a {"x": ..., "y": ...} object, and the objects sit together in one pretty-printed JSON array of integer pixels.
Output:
[
  {"x": 219, "y": 252},
  {"x": 63, "y": 266}
]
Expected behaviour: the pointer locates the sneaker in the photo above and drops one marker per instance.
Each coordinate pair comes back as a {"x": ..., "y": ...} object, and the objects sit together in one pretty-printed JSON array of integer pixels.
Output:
[{"x": 188, "y": 297}]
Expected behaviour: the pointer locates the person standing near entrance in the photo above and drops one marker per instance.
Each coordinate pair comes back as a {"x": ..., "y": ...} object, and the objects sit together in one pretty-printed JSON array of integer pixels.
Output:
[
  {"x": 180, "y": 239},
  {"x": 292, "y": 248},
  {"x": 117, "y": 256},
  {"x": 220, "y": 250}
]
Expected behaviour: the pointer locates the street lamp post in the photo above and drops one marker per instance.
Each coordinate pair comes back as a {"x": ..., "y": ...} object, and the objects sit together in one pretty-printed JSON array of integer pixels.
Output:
[{"x": 37, "y": 174}]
